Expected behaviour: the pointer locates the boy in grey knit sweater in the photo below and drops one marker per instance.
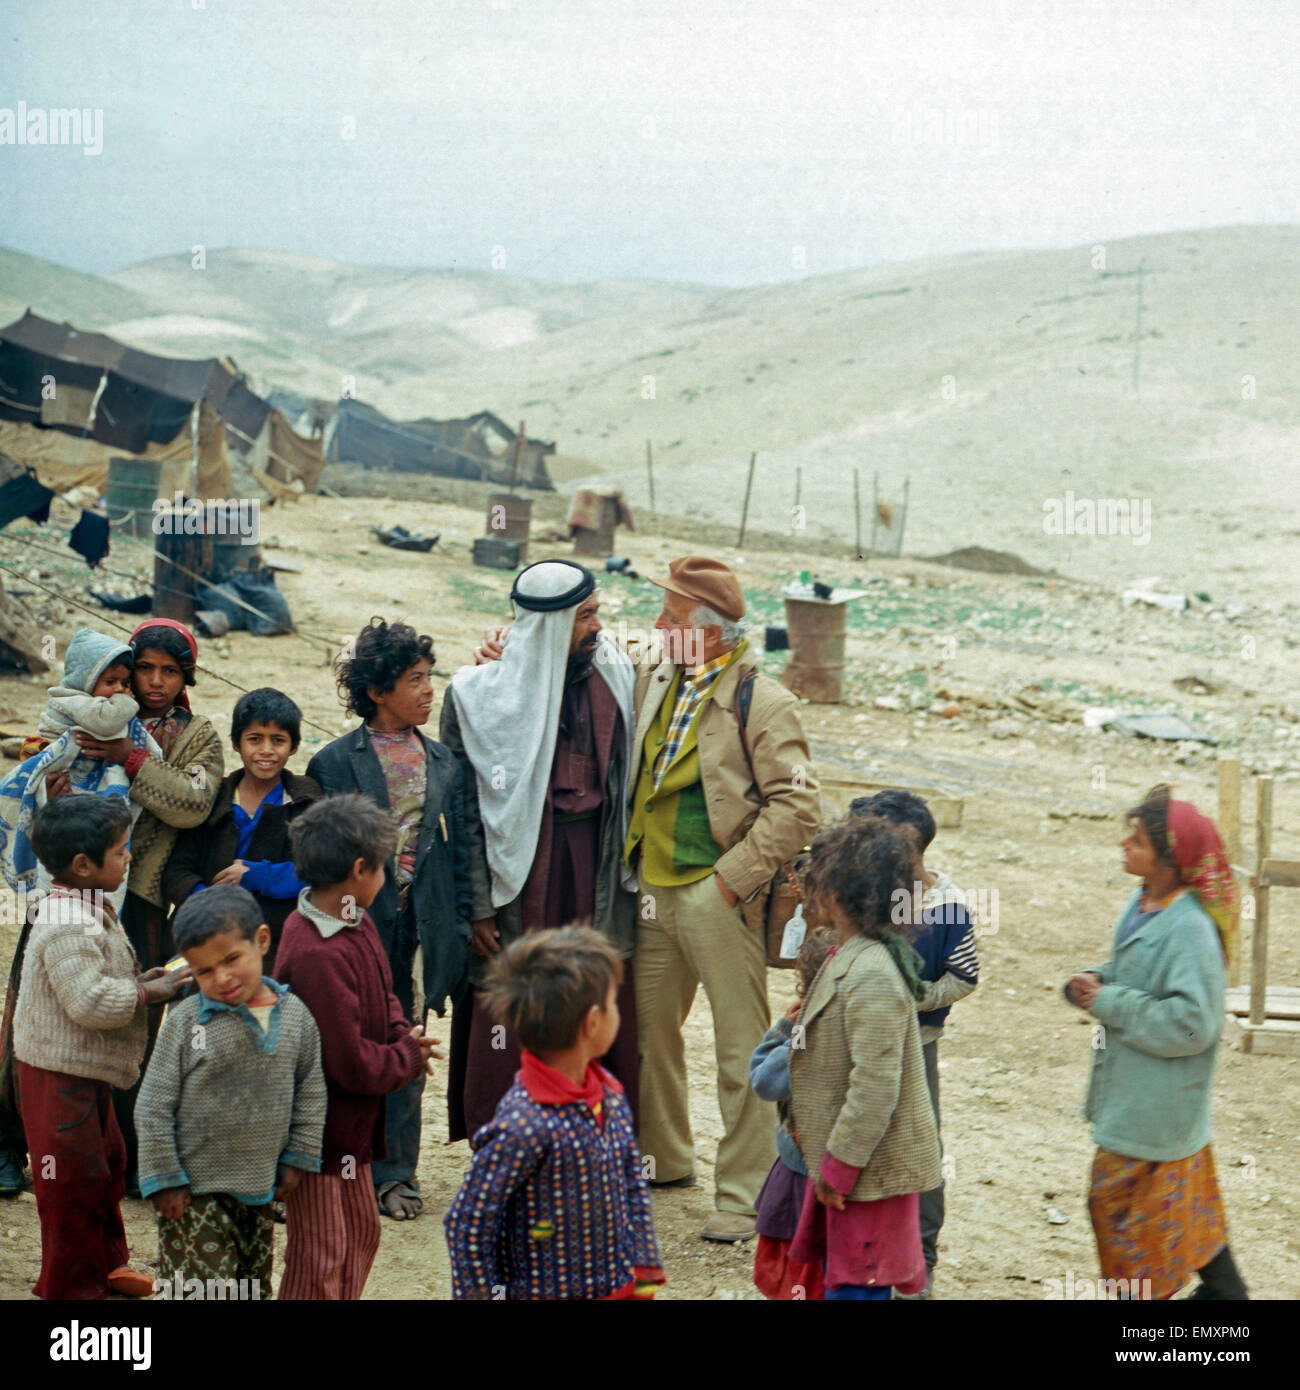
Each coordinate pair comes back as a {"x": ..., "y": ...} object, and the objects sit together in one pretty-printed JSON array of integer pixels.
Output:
[{"x": 232, "y": 1109}]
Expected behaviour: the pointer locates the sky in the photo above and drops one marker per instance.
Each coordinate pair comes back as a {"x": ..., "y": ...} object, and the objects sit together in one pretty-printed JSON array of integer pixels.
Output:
[{"x": 583, "y": 140}]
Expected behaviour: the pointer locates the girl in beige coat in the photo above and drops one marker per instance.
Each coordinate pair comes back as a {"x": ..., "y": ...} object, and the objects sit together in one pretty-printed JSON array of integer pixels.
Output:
[{"x": 862, "y": 1115}]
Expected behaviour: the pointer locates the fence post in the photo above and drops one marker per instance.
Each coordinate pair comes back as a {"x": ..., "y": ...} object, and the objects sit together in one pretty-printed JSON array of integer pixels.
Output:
[
  {"x": 1230, "y": 829},
  {"x": 1259, "y": 935}
]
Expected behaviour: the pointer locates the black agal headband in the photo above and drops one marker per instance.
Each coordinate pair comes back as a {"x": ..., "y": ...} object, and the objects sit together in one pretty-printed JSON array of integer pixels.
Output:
[{"x": 584, "y": 583}]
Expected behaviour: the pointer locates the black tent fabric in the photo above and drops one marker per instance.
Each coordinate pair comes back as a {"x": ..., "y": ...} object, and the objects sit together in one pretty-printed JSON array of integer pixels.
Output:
[
  {"x": 146, "y": 398},
  {"x": 246, "y": 412},
  {"x": 24, "y": 496},
  {"x": 33, "y": 349},
  {"x": 62, "y": 341},
  {"x": 23, "y": 375},
  {"x": 203, "y": 379},
  {"x": 89, "y": 537},
  {"x": 124, "y": 415}
]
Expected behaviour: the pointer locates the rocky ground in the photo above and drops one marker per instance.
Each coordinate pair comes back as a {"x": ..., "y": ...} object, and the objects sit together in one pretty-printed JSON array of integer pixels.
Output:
[{"x": 971, "y": 684}]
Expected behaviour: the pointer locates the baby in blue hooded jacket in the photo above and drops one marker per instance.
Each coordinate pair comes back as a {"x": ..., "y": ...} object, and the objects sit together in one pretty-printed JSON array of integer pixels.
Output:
[{"x": 94, "y": 697}]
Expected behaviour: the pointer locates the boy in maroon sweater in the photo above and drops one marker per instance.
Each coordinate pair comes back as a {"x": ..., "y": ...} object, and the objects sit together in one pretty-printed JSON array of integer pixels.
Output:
[{"x": 331, "y": 956}]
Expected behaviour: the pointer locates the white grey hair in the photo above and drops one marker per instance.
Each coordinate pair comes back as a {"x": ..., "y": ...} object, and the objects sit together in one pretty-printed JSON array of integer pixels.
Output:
[{"x": 704, "y": 616}]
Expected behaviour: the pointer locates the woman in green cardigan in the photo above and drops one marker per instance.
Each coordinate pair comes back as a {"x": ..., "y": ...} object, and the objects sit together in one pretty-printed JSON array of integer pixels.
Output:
[{"x": 1154, "y": 1200}]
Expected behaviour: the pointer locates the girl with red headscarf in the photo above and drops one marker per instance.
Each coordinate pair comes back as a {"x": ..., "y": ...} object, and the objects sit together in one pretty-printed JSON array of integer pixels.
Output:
[
  {"x": 1155, "y": 1204},
  {"x": 175, "y": 791}
]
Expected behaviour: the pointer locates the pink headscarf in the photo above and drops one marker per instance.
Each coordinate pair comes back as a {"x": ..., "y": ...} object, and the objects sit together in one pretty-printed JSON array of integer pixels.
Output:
[{"x": 1198, "y": 852}]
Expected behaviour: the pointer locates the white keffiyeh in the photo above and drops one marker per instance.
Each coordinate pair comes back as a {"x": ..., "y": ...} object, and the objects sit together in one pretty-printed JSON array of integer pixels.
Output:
[{"x": 509, "y": 715}]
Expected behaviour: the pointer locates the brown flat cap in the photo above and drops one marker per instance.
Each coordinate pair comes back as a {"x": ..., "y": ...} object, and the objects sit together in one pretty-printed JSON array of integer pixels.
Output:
[{"x": 706, "y": 581}]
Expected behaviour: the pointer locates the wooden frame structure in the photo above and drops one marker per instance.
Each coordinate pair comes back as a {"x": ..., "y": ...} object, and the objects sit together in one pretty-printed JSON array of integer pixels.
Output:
[{"x": 1261, "y": 1019}]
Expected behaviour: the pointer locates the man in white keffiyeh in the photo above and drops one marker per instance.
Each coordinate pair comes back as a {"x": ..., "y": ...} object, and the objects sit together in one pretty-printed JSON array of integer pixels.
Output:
[{"x": 547, "y": 734}]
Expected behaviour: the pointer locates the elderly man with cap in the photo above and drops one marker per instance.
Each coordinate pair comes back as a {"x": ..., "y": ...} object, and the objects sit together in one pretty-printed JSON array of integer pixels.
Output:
[
  {"x": 547, "y": 735},
  {"x": 708, "y": 828}
]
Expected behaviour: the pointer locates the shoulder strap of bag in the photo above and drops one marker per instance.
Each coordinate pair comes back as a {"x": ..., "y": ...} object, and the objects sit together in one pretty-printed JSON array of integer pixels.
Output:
[{"x": 744, "y": 698}]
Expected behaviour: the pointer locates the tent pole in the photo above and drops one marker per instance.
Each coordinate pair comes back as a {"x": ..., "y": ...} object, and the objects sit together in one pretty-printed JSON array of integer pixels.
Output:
[{"x": 194, "y": 451}]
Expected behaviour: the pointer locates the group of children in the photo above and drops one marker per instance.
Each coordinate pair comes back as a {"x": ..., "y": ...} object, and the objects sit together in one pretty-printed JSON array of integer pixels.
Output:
[
  {"x": 265, "y": 1086},
  {"x": 247, "y": 1105}
]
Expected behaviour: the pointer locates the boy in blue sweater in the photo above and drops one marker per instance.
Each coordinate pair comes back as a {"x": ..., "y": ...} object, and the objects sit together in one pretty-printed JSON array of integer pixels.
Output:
[
  {"x": 944, "y": 938},
  {"x": 245, "y": 839}
]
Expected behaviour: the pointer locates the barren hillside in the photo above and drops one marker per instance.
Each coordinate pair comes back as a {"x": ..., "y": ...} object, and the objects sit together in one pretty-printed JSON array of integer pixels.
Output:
[{"x": 996, "y": 384}]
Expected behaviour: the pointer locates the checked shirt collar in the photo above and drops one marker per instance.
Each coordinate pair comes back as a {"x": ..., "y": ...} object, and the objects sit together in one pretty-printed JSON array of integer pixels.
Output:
[{"x": 692, "y": 693}]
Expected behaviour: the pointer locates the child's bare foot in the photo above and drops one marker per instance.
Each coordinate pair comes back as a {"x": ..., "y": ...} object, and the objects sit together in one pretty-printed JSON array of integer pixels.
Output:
[{"x": 400, "y": 1200}]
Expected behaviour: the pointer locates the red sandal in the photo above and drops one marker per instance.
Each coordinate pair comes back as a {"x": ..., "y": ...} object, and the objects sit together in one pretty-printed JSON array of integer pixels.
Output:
[{"x": 130, "y": 1282}]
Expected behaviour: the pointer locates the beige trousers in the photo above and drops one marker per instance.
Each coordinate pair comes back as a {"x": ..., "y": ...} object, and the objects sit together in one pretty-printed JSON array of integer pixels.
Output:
[{"x": 688, "y": 936}]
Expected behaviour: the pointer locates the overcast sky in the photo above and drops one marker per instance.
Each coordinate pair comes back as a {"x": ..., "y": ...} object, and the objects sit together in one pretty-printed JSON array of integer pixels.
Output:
[{"x": 697, "y": 140}]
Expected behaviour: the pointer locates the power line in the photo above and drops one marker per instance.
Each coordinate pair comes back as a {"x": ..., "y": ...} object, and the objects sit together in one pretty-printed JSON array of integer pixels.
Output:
[
  {"x": 98, "y": 614},
  {"x": 330, "y": 642}
]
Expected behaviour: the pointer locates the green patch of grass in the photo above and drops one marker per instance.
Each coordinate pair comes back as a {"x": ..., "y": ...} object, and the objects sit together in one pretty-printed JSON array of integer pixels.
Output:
[{"x": 477, "y": 597}]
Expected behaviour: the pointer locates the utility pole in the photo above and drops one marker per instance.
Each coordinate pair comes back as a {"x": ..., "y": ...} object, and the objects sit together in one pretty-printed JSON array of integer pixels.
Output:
[
  {"x": 744, "y": 514},
  {"x": 1137, "y": 332}
]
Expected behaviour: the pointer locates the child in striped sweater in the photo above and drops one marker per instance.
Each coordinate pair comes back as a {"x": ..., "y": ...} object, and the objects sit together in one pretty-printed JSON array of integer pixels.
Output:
[{"x": 555, "y": 1205}]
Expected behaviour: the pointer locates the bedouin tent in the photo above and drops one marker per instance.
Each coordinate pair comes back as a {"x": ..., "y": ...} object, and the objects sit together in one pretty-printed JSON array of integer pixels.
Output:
[
  {"x": 70, "y": 401},
  {"x": 479, "y": 446}
]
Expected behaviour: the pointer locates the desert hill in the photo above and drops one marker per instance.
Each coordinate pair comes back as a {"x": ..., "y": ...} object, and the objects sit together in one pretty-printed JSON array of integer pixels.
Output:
[{"x": 995, "y": 383}]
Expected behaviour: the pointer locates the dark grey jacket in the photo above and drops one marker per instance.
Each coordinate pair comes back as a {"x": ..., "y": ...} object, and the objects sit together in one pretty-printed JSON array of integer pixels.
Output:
[
  {"x": 615, "y": 915},
  {"x": 441, "y": 890}
]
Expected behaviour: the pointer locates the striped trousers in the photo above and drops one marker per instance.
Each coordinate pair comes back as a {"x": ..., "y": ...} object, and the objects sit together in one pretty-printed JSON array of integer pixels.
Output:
[{"x": 332, "y": 1236}]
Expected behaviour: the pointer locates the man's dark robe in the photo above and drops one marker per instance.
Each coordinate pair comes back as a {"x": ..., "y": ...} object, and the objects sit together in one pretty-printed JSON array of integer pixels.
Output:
[{"x": 573, "y": 880}]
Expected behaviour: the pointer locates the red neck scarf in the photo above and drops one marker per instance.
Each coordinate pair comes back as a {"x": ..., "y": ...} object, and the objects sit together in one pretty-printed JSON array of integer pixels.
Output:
[
  {"x": 1198, "y": 852},
  {"x": 183, "y": 699},
  {"x": 547, "y": 1086}
]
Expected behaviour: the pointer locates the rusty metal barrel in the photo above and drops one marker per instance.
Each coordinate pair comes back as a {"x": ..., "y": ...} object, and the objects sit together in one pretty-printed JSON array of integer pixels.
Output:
[
  {"x": 816, "y": 667},
  {"x": 509, "y": 518},
  {"x": 175, "y": 553}
]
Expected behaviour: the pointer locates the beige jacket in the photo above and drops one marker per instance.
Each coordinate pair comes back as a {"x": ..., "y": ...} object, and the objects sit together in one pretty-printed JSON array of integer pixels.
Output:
[
  {"x": 77, "y": 1011},
  {"x": 756, "y": 840},
  {"x": 857, "y": 1083},
  {"x": 175, "y": 795}
]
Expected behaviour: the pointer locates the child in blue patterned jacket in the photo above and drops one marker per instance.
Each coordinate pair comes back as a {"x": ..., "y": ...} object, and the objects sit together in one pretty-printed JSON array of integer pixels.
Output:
[{"x": 555, "y": 1205}]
